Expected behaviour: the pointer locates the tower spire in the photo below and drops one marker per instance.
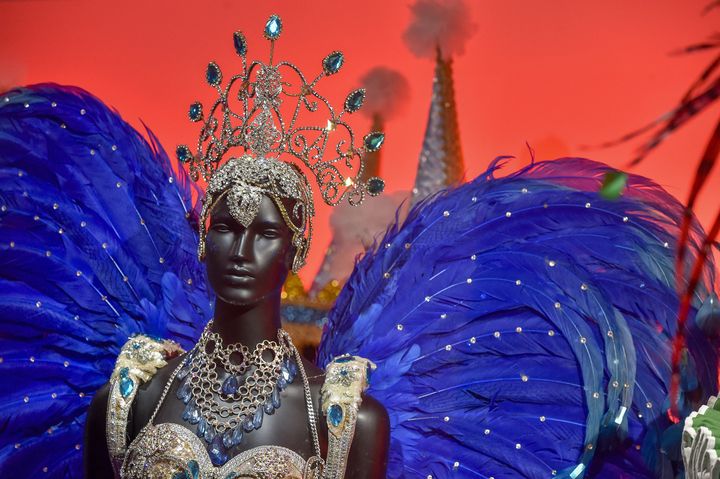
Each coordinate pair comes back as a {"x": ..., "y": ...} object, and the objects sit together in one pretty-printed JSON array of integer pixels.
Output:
[{"x": 441, "y": 160}]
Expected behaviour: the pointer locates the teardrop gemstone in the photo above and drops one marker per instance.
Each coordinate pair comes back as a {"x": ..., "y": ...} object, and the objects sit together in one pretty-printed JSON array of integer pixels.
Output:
[
  {"x": 276, "y": 398},
  {"x": 257, "y": 419},
  {"x": 195, "y": 111},
  {"x": 230, "y": 385},
  {"x": 227, "y": 439},
  {"x": 355, "y": 100},
  {"x": 194, "y": 469},
  {"x": 237, "y": 435},
  {"x": 273, "y": 27},
  {"x": 333, "y": 62},
  {"x": 210, "y": 434},
  {"x": 375, "y": 186},
  {"x": 240, "y": 43},
  {"x": 213, "y": 75},
  {"x": 201, "y": 428},
  {"x": 247, "y": 424},
  {"x": 184, "y": 155},
  {"x": 183, "y": 392},
  {"x": 268, "y": 408},
  {"x": 373, "y": 141},
  {"x": 218, "y": 456}
]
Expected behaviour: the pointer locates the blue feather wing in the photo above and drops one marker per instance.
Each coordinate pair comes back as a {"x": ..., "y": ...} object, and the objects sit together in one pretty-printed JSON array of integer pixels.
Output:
[
  {"x": 95, "y": 245},
  {"x": 522, "y": 326}
]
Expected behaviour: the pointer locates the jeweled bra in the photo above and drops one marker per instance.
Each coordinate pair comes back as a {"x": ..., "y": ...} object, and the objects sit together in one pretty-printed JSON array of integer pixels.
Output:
[{"x": 171, "y": 451}]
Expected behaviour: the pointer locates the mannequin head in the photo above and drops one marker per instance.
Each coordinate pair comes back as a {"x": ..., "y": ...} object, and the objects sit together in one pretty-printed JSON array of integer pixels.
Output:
[{"x": 247, "y": 265}]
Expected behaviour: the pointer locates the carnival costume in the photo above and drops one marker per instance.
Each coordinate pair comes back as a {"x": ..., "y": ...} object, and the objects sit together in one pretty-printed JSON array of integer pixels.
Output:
[{"x": 520, "y": 325}]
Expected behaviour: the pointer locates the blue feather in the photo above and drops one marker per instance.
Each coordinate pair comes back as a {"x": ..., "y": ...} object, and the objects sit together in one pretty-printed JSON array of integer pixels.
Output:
[
  {"x": 96, "y": 244},
  {"x": 540, "y": 318}
]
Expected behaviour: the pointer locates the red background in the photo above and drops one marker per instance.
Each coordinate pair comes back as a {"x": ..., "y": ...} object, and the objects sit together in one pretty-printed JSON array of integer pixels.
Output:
[{"x": 559, "y": 74}]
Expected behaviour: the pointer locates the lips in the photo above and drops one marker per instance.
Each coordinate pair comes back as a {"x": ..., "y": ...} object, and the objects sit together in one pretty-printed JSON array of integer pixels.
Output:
[{"x": 239, "y": 273}]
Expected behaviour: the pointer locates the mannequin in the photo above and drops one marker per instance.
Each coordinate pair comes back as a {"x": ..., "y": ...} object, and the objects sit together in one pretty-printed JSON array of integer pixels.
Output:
[{"x": 247, "y": 310}]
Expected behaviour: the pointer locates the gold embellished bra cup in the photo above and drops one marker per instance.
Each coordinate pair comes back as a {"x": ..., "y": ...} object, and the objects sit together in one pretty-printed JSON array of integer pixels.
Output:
[{"x": 171, "y": 451}]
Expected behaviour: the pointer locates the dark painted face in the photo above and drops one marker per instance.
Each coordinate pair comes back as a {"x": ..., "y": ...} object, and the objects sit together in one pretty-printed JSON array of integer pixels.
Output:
[{"x": 246, "y": 265}]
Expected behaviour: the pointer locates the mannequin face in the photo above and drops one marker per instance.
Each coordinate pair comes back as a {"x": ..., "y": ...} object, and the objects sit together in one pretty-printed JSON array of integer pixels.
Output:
[{"x": 247, "y": 265}]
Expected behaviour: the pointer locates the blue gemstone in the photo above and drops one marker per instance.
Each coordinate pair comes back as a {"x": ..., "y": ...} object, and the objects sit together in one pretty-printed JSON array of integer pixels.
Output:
[
  {"x": 187, "y": 411},
  {"x": 201, "y": 428},
  {"x": 257, "y": 419},
  {"x": 195, "y": 111},
  {"x": 375, "y": 186},
  {"x": 344, "y": 373},
  {"x": 180, "y": 475},
  {"x": 209, "y": 434},
  {"x": 293, "y": 368},
  {"x": 282, "y": 384},
  {"x": 227, "y": 439},
  {"x": 183, "y": 153},
  {"x": 184, "y": 371},
  {"x": 268, "y": 408},
  {"x": 237, "y": 435},
  {"x": 343, "y": 359},
  {"x": 248, "y": 424},
  {"x": 368, "y": 373},
  {"x": 230, "y": 385},
  {"x": 285, "y": 373},
  {"x": 183, "y": 392},
  {"x": 273, "y": 28},
  {"x": 354, "y": 100},
  {"x": 333, "y": 62},
  {"x": 194, "y": 469},
  {"x": 240, "y": 43},
  {"x": 194, "y": 416},
  {"x": 276, "y": 398},
  {"x": 218, "y": 455},
  {"x": 335, "y": 414},
  {"x": 213, "y": 75},
  {"x": 373, "y": 141},
  {"x": 127, "y": 385}
]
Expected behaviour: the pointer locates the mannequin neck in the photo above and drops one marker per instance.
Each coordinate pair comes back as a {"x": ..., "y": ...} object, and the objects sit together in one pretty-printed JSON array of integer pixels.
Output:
[{"x": 248, "y": 324}]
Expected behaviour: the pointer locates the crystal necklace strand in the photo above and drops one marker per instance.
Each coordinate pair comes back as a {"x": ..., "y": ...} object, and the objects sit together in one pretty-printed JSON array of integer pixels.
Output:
[{"x": 225, "y": 410}]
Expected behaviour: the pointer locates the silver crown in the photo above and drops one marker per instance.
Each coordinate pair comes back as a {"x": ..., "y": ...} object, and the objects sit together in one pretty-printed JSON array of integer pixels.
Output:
[{"x": 247, "y": 116}]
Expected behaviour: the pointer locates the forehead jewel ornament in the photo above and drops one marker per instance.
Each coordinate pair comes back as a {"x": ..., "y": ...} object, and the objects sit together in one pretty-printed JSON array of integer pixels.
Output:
[{"x": 258, "y": 114}]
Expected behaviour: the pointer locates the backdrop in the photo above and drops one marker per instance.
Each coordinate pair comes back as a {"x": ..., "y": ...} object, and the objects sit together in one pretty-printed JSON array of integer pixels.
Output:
[{"x": 558, "y": 74}]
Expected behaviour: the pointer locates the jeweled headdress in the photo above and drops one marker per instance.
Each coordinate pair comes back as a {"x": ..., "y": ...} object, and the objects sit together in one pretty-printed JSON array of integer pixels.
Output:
[{"x": 247, "y": 115}]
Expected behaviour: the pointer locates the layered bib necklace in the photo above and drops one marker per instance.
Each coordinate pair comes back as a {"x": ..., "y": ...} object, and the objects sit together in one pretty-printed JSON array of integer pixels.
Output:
[{"x": 228, "y": 389}]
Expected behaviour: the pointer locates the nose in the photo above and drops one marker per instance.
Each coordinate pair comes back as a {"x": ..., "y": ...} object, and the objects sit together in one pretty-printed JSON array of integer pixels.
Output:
[{"x": 243, "y": 246}]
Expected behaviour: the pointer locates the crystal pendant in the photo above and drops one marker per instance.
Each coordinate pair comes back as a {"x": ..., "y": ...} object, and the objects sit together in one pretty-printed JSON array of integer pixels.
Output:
[
  {"x": 230, "y": 385},
  {"x": 268, "y": 408},
  {"x": 276, "y": 398},
  {"x": 273, "y": 28},
  {"x": 195, "y": 111},
  {"x": 375, "y": 186},
  {"x": 213, "y": 75},
  {"x": 355, "y": 100},
  {"x": 257, "y": 419},
  {"x": 247, "y": 424},
  {"x": 209, "y": 434},
  {"x": 183, "y": 153},
  {"x": 335, "y": 415},
  {"x": 201, "y": 428},
  {"x": 237, "y": 435},
  {"x": 227, "y": 439},
  {"x": 218, "y": 455},
  {"x": 183, "y": 392},
  {"x": 373, "y": 141},
  {"x": 333, "y": 62},
  {"x": 240, "y": 43},
  {"x": 184, "y": 371},
  {"x": 285, "y": 372}
]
